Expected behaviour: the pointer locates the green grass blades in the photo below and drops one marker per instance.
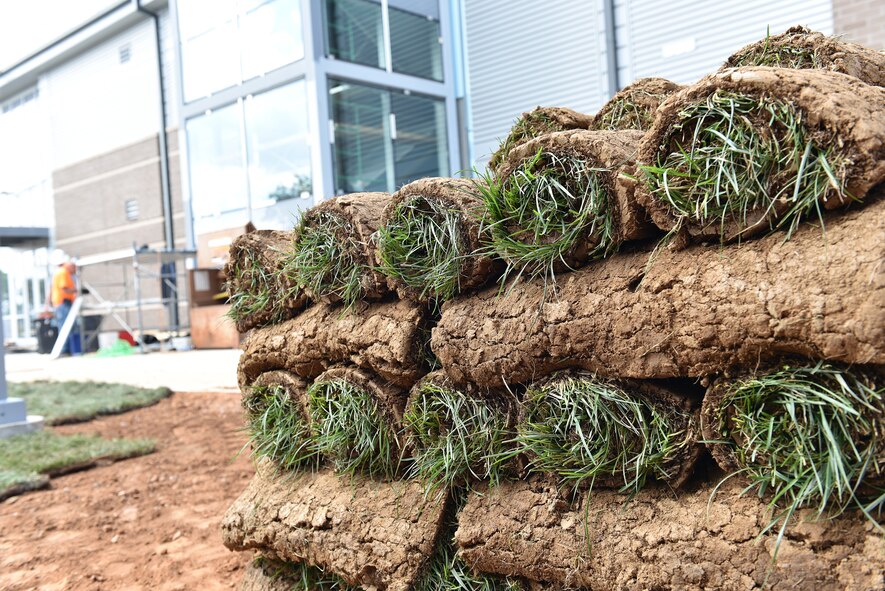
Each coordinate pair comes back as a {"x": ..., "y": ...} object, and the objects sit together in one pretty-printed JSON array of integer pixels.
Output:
[
  {"x": 351, "y": 429},
  {"x": 454, "y": 437},
  {"x": 628, "y": 114},
  {"x": 734, "y": 159},
  {"x": 587, "y": 430},
  {"x": 447, "y": 572},
  {"x": 301, "y": 576},
  {"x": 73, "y": 402},
  {"x": 323, "y": 260},
  {"x": 46, "y": 452},
  {"x": 528, "y": 126},
  {"x": 548, "y": 212},
  {"x": 810, "y": 437},
  {"x": 255, "y": 290},
  {"x": 424, "y": 247},
  {"x": 278, "y": 429}
]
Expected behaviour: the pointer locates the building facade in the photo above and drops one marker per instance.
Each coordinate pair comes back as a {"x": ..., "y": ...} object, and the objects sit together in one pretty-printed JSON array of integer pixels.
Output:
[{"x": 164, "y": 123}]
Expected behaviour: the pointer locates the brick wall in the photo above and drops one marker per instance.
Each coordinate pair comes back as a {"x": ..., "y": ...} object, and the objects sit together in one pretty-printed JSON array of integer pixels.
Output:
[{"x": 860, "y": 21}]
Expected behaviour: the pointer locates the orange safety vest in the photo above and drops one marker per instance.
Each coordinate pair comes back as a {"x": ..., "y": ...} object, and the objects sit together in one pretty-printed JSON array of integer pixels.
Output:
[{"x": 60, "y": 281}]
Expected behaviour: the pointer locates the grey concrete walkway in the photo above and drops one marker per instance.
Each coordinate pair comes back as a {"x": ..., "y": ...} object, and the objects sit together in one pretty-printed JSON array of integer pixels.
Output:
[{"x": 181, "y": 371}]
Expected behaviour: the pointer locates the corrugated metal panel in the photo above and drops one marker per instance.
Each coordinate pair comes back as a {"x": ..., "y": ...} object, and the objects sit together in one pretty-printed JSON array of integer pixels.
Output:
[
  {"x": 684, "y": 40},
  {"x": 98, "y": 102},
  {"x": 521, "y": 54}
]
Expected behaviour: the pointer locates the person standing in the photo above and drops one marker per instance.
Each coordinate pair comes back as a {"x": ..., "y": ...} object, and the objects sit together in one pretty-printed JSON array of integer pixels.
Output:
[{"x": 63, "y": 294}]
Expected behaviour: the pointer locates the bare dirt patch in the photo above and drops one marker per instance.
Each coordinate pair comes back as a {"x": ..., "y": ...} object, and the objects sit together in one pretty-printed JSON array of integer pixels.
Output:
[{"x": 146, "y": 523}]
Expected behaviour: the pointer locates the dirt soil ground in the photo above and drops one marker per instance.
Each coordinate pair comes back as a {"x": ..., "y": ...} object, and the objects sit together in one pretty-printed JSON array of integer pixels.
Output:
[{"x": 146, "y": 523}]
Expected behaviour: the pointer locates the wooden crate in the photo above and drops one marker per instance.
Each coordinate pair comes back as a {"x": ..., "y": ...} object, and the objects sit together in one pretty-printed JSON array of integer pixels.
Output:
[{"x": 211, "y": 329}]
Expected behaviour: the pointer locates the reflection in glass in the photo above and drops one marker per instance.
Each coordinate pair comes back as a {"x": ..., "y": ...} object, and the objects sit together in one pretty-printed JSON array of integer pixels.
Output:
[
  {"x": 354, "y": 32},
  {"x": 210, "y": 62},
  {"x": 271, "y": 37},
  {"x": 215, "y": 158},
  {"x": 198, "y": 16},
  {"x": 278, "y": 145},
  {"x": 415, "y": 44},
  {"x": 384, "y": 138}
]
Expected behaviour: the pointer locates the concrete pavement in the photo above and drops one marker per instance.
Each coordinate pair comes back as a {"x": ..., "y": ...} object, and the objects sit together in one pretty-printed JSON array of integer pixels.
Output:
[{"x": 210, "y": 370}]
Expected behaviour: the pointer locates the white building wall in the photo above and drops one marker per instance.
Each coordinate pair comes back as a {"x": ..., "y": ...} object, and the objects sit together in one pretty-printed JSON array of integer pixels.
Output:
[
  {"x": 683, "y": 40},
  {"x": 522, "y": 54},
  {"x": 98, "y": 102}
]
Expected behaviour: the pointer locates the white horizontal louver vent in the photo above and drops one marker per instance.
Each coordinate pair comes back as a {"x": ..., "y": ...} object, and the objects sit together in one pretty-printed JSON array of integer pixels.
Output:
[
  {"x": 125, "y": 53},
  {"x": 131, "y": 209}
]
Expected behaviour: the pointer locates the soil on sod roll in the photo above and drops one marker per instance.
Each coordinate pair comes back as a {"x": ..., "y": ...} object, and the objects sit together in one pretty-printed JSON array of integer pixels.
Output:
[
  {"x": 334, "y": 257},
  {"x": 430, "y": 245},
  {"x": 587, "y": 204},
  {"x": 749, "y": 150},
  {"x": 658, "y": 540},
  {"x": 810, "y": 434},
  {"x": 267, "y": 574},
  {"x": 260, "y": 292},
  {"x": 539, "y": 121},
  {"x": 803, "y": 48},
  {"x": 357, "y": 421},
  {"x": 373, "y": 534},
  {"x": 590, "y": 432},
  {"x": 634, "y": 107},
  {"x": 456, "y": 435},
  {"x": 696, "y": 312},
  {"x": 388, "y": 338}
]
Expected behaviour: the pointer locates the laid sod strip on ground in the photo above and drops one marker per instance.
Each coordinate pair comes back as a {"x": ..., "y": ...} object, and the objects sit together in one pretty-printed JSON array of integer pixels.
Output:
[
  {"x": 454, "y": 437},
  {"x": 809, "y": 436},
  {"x": 333, "y": 258},
  {"x": 351, "y": 424},
  {"x": 368, "y": 532},
  {"x": 737, "y": 162},
  {"x": 46, "y": 452},
  {"x": 260, "y": 292},
  {"x": 430, "y": 245},
  {"x": 752, "y": 150},
  {"x": 539, "y": 121},
  {"x": 16, "y": 482},
  {"x": 386, "y": 338},
  {"x": 592, "y": 432},
  {"x": 697, "y": 312},
  {"x": 635, "y": 105},
  {"x": 658, "y": 540},
  {"x": 266, "y": 574},
  {"x": 800, "y": 47},
  {"x": 74, "y": 402},
  {"x": 278, "y": 427}
]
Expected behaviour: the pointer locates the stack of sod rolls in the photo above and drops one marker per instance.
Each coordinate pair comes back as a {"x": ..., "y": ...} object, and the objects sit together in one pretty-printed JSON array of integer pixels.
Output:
[{"x": 645, "y": 350}]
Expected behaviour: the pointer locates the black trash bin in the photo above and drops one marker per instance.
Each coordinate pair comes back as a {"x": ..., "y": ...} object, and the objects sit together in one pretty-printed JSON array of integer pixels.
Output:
[{"x": 47, "y": 333}]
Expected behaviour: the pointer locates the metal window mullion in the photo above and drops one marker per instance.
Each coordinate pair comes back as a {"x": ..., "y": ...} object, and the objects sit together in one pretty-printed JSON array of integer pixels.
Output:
[
  {"x": 385, "y": 28},
  {"x": 244, "y": 155}
]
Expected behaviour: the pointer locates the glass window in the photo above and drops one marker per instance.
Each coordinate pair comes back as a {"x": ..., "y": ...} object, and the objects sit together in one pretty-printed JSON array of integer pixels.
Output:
[
  {"x": 415, "y": 41},
  {"x": 271, "y": 37},
  {"x": 278, "y": 145},
  {"x": 215, "y": 158},
  {"x": 225, "y": 42},
  {"x": 385, "y": 138},
  {"x": 354, "y": 32}
]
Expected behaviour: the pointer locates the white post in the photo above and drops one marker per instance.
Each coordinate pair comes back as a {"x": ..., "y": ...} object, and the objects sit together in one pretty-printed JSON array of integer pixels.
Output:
[{"x": 13, "y": 418}]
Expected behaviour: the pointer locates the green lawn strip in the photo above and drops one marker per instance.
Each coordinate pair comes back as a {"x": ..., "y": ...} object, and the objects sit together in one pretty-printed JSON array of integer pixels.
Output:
[
  {"x": 15, "y": 482},
  {"x": 23, "y": 458},
  {"x": 74, "y": 402}
]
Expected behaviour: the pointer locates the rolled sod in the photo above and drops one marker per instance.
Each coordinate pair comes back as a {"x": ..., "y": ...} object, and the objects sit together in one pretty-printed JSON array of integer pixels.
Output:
[
  {"x": 457, "y": 435},
  {"x": 260, "y": 292},
  {"x": 635, "y": 105},
  {"x": 430, "y": 244},
  {"x": 387, "y": 338},
  {"x": 803, "y": 436},
  {"x": 693, "y": 540},
  {"x": 802, "y": 48},
  {"x": 751, "y": 150},
  {"x": 356, "y": 421},
  {"x": 696, "y": 312},
  {"x": 278, "y": 420},
  {"x": 591, "y": 432},
  {"x": 267, "y": 574},
  {"x": 563, "y": 199},
  {"x": 369, "y": 533},
  {"x": 333, "y": 259},
  {"x": 538, "y": 121}
]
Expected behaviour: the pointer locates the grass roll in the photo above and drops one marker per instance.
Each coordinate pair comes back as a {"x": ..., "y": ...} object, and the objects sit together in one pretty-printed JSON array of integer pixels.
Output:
[
  {"x": 261, "y": 293},
  {"x": 635, "y": 105},
  {"x": 752, "y": 150},
  {"x": 616, "y": 434},
  {"x": 538, "y": 121}
]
